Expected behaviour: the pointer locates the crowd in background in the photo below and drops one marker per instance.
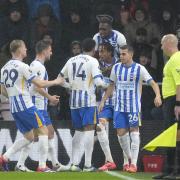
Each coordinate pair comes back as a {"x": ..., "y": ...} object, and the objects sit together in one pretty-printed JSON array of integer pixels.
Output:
[{"x": 67, "y": 22}]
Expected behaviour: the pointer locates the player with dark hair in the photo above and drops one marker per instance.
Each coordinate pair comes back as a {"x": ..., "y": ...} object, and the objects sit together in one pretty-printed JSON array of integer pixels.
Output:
[
  {"x": 126, "y": 78},
  {"x": 84, "y": 74}
]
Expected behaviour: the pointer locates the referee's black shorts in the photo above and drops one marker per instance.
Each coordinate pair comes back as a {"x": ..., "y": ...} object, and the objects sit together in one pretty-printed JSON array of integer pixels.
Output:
[{"x": 168, "y": 111}]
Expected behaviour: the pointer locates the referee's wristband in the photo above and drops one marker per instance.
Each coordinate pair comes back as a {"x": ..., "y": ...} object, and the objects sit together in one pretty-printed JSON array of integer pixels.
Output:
[{"x": 177, "y": 103}]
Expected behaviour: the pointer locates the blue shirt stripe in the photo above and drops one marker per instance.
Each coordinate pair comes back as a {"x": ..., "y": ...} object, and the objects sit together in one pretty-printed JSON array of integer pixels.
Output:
[
  {"x": 74, "y": 98},
  {"x": 22, "y": 102},
  {"x": 80, "y": 98},
  {"x": 86, "y": 98},
  {"x": 16, "y": 103},
  {"x": 131, "y": 91},
  {"x": 136, "y": 88}
]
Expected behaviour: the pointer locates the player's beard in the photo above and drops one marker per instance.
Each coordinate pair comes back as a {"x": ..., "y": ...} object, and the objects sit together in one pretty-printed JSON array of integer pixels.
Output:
[{"x": 47, "y": 58}]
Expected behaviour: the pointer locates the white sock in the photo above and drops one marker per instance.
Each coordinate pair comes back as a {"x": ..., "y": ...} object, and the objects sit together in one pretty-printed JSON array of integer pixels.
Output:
[
  {"x": 43, "y": 150},
  {"x": 52, "y": 152},
  {"x": 23, "y": 155},
  {"x": 124, "y": 141},
  {"x": 77, "y": 147},
  {"x": 18, "y": 145},
  {"x": 135, "y": 142},
  {"x": 126, "y": 161},
  {"x": 88, "y": 146},
  {"x": 104, "y": 142},
  {"x": 107, "y": 128}
]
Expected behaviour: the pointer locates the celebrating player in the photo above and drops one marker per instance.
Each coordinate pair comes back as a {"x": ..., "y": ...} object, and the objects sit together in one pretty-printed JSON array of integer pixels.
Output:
[
  {"x": 83, "y": 73},
  {"x": 40, "y": 97},
  {"x": 127, "y": 77},
  {"x": 106, "y": 63},
  {"x": 15, "y": 76}
]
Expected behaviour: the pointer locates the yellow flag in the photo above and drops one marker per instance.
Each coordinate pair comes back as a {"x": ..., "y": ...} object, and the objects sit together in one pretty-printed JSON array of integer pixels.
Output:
[{"x": 166, "y": 139}]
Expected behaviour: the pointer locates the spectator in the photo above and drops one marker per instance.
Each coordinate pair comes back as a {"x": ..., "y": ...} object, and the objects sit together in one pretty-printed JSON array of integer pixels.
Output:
[
  {"x": 5, "y": 5},
  {"x": 123, "y": 19},
  {"x": 13, "y": 27},
  {"x": 167, "y": 22},
  {"x": 4, "y": 55},
  {"x": 33, "y": 6},
  {"x": 138, "y": 3},
  {"x": 147, "y": 92},
  {"x": 45, "y": 24},
  {"x": 141, "y": 42},
  {"x": 74, "y": 29},
  {"x": 75, "y": 48},
  {"x": 141, "y": 20}
]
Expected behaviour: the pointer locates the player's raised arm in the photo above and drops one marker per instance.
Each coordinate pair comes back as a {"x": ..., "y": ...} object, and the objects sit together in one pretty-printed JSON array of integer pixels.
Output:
[{"x": 44, "y": 83}]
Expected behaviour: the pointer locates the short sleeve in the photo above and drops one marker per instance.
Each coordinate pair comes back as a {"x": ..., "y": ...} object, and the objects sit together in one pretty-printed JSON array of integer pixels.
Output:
[
  {"x": 121, "y": 40},
  {"x": 27, "y": 73},
  {"x": 95, "y": 39},
  {"x": 145, "y": 75},
  {"x": 96, "y": 72},
  {"x": 38, "y": 71},
  {"x": 64, "y": 71},
  {"x": 113, "y": 76}
]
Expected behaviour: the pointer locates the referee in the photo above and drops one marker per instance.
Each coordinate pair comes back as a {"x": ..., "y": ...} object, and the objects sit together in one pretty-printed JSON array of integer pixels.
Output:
[{"x": 171, "y": 105}]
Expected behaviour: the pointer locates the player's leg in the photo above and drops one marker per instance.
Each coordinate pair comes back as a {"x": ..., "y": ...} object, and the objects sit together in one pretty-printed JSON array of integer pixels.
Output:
[
  {"x": 89, "y": 116},
  {"x": 22, "y": 123},
  {"x": 126, "y": 162},
  {"x": 51, "y": 144},
  {"x": 121, "y": 124},
  {"x": 135, "y": 143},
  {"x": 77, "y": 141},
  {"x": 134, "y": 120},
  {"x": 102, "y": 133},
  {"x": 103, "y": 139},
  {"x": 42, "y": 132},
  {"x": 104, "y": 142},
  {"x": 20, "y": 166},
  {"x": 18, "y": 145},
  {"x": 57, "y": 166}
]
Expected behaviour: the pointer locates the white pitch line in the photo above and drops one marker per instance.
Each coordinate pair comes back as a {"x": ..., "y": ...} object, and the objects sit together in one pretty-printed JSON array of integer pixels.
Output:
[{"x": 112, "y": 173}]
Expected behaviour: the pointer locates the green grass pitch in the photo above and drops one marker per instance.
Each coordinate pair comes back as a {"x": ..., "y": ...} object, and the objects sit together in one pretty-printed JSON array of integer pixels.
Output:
[{"x": 74, "y": 176}]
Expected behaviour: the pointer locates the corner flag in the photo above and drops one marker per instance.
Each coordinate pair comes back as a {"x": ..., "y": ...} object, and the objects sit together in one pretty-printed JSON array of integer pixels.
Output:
[{"x": 166, "y": 139}]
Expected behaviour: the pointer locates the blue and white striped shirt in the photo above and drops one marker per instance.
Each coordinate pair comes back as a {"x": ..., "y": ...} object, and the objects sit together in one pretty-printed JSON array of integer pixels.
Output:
[
  {"x": 15, "y": 76},
  {"x": 116, "y": 39},
  {"x": 39, "y": 70},
  {"x": 81, "y": 71},
  {"x": 128, "y": 82},
  {"x": 110, "y": 100}
]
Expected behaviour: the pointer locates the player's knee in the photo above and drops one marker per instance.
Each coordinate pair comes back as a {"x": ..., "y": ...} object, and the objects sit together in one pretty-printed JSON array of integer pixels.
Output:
[
  {"x": 100, "y": 127},
  {"x": 89, "y": 127},
  {"x": 29, "y": 136},
  {"x": 134, "y": 129},
  {"x": 42, "y": 131},
  {"x": 121, "y": 132},
  {"x": 102, "y": 121},
  {"x": 50, "y": 136}
]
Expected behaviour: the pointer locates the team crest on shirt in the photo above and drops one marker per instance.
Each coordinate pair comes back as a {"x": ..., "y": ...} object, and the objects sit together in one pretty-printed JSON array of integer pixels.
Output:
[
  {"x": 38, "y": 73},
  {"x": 132, "y": 77}
]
